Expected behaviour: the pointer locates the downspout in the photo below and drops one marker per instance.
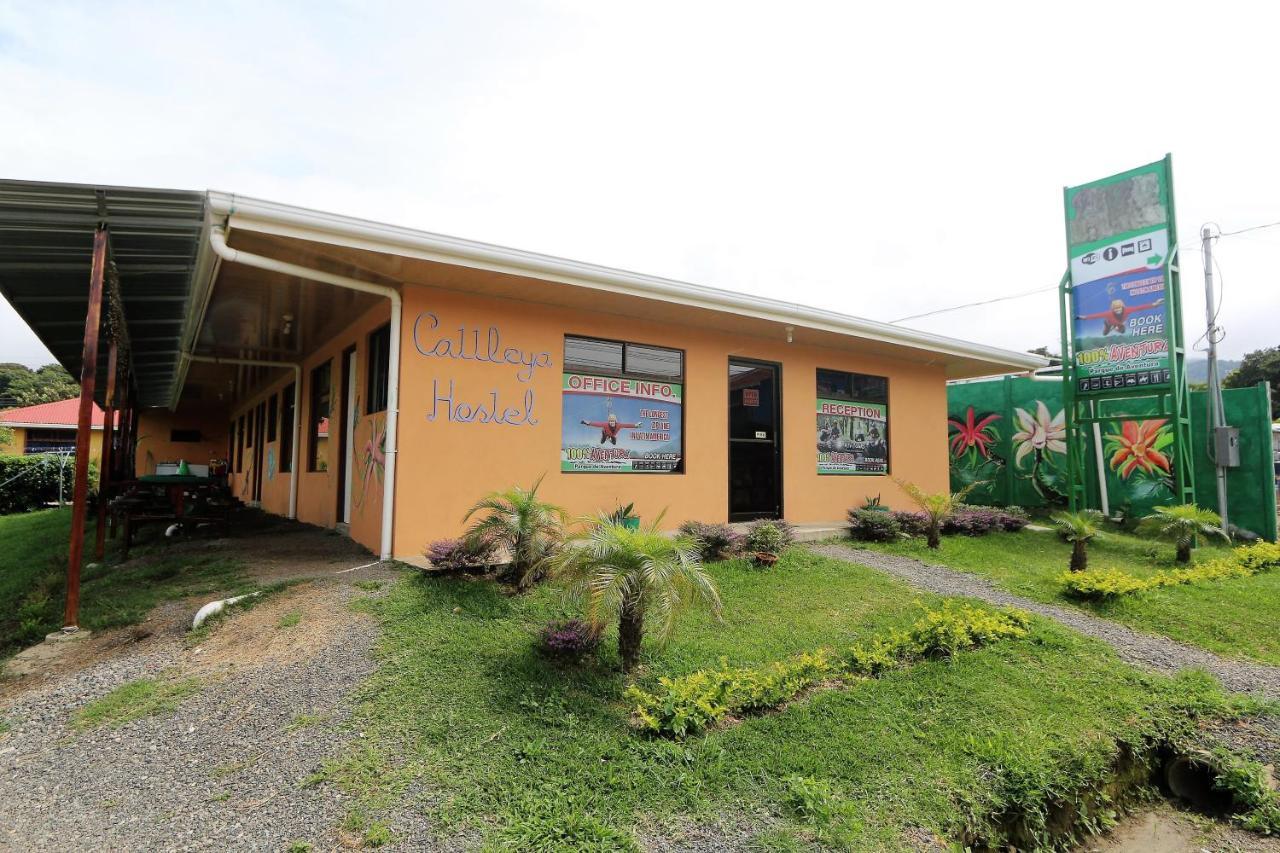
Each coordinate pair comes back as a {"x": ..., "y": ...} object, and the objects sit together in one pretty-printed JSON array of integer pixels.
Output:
[
  {"x": 297, "y": 403},
  {"x": 218, "y": 240}
]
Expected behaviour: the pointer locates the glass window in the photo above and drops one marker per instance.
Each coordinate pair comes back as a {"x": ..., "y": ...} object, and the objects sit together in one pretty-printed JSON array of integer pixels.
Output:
[
  {"x": 318, "y": 423},
  {"x": 379, "y": 370},
  {"x": 587, "y": 355},
  {"x": 618, "y": 358},
  {"x": 622, "y": 408},
  {"x": 860, "y": 387},
  {"x": 653, "y": 361},
  {"x": 853, "y": 423},
  {"x": 286, "y": 428}
]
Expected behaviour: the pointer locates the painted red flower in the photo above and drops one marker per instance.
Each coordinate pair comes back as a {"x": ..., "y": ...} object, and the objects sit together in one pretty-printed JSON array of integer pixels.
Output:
[
  {"x": 973, "y": 434},
  {"x": 1139, "y": 446}
]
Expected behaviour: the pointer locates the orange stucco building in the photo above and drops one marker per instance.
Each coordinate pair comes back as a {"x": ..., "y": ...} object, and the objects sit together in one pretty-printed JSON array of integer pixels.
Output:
[{"x": 380, "y": 380}]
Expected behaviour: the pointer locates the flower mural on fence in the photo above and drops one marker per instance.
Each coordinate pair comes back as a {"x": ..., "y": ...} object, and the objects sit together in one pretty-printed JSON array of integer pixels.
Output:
[
  {"x": 1041, "y": 437},
  {"x": 1139, "y": 446},
  {"x": 973, "y": 434},
  {"x": 973, "y": 448}
]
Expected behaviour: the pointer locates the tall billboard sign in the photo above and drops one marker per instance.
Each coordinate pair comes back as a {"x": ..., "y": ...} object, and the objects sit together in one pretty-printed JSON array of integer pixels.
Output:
[
  {"x": 1118, "y": 235},
  {"x": 1122, "y": 344}
]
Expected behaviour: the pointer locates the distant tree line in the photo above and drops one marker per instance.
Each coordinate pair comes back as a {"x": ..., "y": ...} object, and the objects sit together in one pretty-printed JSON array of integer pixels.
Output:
[
  {"x": 22, "y": 386},
  {"x": 1259, "y": 366}
]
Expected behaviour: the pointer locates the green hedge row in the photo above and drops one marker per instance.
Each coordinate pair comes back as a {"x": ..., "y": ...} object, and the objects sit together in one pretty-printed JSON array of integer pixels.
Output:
[
  {"x": 689, "y": 704},
  {"x": 30, "y": 482},
  {"x": 1102, "y": 584}
]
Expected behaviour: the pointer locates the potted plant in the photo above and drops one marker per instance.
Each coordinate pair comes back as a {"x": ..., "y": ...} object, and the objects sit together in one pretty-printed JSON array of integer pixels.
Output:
[{"x": 625, "y": 516}]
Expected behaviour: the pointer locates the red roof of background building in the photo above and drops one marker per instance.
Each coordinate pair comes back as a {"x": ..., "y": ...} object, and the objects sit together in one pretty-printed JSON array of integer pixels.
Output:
[{"x": 62, "y": 413}]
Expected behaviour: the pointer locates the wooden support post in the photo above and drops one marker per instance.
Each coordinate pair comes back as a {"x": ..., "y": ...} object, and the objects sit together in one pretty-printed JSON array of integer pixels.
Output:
[
  {"x": 107, "y": 460},
  {"x": 84, "y": 427}
]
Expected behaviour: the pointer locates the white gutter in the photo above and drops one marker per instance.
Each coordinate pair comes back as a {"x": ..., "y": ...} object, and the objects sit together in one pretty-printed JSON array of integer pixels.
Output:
[
  {"x": 286, "y": 220},
  {"x": 218, "y": 240},
  {"x": 297, "y": 407}
]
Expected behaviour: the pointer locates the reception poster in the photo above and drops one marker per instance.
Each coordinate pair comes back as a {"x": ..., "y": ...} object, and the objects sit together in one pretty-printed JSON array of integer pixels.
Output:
[{"x": 852, "y": 437}]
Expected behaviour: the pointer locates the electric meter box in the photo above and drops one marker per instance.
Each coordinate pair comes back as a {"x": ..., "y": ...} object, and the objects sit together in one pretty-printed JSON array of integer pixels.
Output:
[{"x": 1226, "y": 446}]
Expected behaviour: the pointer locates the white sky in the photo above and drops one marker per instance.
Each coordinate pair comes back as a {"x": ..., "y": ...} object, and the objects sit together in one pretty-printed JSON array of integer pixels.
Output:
[{"x": 878, "y": 159}]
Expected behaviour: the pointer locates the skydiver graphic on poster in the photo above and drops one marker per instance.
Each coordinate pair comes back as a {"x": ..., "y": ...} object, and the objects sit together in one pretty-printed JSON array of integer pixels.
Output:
[
  {"x": 616, "y": 425},
  {"x": 1121, "y": 331}
]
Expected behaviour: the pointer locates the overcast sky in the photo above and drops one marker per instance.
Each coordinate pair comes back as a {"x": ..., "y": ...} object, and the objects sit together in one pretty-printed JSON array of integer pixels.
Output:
[{"x": 880, "y": 160}]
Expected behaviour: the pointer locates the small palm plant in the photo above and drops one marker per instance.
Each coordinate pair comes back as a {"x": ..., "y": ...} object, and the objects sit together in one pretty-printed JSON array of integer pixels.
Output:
[
  {"x": 937, "y": 508},
  {"x": 636, "y": 576},
  {"x": 1078, "y": 528},
  {"x": 528, "y": 527},
  {"x": 1182, "y": 524}
]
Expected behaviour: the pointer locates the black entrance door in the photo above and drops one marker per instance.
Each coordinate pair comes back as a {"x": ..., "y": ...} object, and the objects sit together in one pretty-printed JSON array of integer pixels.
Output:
[{"x": 755, "y": 441}]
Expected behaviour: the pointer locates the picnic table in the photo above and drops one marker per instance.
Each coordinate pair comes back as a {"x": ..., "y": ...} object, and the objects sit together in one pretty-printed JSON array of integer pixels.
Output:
[{"x": 172, "y": 499}]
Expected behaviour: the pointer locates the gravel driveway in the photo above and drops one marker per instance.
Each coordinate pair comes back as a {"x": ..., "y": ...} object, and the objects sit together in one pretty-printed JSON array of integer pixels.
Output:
[
  {"x": 221, "y": 772},
  {"x": 1135, "y": 647}
]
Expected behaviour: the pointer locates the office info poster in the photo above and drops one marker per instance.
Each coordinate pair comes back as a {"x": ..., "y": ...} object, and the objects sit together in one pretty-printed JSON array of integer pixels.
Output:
[{"x": 616, "y": 425}]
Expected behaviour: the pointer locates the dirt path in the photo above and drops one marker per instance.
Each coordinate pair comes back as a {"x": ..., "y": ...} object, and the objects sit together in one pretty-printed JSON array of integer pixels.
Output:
[
  {"x": 1146, "y": 650},
  {"x": 225, "y": 768}
]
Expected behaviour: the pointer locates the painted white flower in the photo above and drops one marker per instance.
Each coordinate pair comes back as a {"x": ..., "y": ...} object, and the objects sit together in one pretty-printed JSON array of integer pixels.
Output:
[{"x": 1039, "y": 433}]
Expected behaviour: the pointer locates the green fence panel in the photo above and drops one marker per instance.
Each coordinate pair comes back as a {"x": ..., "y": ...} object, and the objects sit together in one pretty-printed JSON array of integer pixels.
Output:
[
  {"x": 1007, "y": 434},
  {"x": 1251, "y": 496}
]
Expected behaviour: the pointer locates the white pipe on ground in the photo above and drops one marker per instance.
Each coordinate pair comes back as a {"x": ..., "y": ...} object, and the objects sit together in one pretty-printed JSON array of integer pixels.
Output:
[
  {"x": 218, "y": 240},
  {"x": 297, "y": 403}
]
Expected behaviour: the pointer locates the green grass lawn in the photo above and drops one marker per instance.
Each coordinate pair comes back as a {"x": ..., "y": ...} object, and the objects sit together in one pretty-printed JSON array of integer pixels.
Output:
[
  {"x": 1236, "y": 618},
  {"x": 467, "y": 721},
  {"x": 33, "y": 567}
]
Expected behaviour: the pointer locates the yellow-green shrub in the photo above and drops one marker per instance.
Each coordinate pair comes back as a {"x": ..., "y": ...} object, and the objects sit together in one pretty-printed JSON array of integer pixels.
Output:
[
  {"x": 1245, "y": 561},
  {"x": 691, "y": 703},
  {"x": 1100, "y": 584},
  {"x": 1259, "y": 557}
]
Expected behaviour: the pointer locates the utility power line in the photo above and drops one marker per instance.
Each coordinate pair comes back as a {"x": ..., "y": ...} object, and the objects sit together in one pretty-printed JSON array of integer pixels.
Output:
[{"x": 1055, "y": 287}]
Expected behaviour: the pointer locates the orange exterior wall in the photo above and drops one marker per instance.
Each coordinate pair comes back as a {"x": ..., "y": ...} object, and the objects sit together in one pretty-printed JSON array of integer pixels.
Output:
[
  {"x": 444, "y": 466},
  {"x": 318, "y": 490},
  {"x": 154, "y": 439}
]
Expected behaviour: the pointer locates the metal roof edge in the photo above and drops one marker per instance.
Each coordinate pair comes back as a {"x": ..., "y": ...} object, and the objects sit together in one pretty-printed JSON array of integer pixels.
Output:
[{"x": 321, "y": 226}]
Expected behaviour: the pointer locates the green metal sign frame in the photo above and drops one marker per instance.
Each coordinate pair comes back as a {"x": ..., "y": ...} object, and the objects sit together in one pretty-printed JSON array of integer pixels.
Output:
[{"x": 1086, "y": 411}]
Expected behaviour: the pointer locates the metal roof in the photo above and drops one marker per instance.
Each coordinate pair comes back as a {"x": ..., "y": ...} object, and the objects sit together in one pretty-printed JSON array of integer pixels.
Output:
[{"x": 46, "y": 247}]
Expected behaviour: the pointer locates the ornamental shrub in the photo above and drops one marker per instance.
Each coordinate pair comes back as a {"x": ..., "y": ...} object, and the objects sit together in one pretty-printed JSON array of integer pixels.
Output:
[
  {"x": 569, "y": 639},
  {"x": 713, "y": 541},
  {"x": 766, "y": 539},
  {"x": 911, "y": 523},
  {"x": 691, "y": 703},
  {"x": 457, "y": 555},
  {"x": 1245, "y": 561},
  {"x": 1258, "y": 557},
  {"x": 1101, "y": 584},
  {"x": 873, "y": 525},
  {"x": 965, "y": 521},
  {"x": 30, "y": 482},
  {"x": 956, "y": 628}
]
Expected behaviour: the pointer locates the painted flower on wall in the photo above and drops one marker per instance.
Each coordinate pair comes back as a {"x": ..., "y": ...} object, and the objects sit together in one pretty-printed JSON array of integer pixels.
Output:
[
  {"x": 373, "y": 458},
  {"x": 1042, "y": 437},
  {"x": 973, "y": 433},
  {"x": 1139, "y": 447},
  {"x": 1039, "y": 434}
]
